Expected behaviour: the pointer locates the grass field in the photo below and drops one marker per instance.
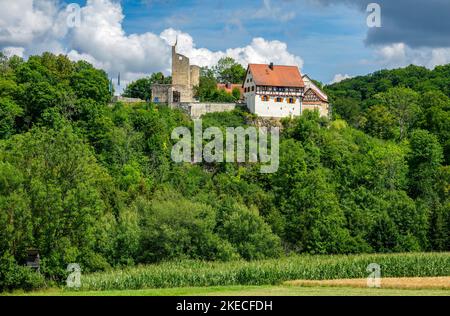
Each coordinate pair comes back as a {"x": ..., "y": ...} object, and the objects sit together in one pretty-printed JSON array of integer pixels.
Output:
[{"x": 282, "y": 290}]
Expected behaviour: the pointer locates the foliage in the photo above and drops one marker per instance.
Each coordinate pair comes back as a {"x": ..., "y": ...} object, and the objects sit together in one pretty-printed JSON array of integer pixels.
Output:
[
  {"x": 228, "y": 70},
  {"x": 173, "y": 227},
  {"x": 248, "y": 233},
  {"x": 391, "y": 103},
  {"x": 85, "y": 182},
  {"x": 142, "y": 88},
  {"x": 13, "y": 276}
]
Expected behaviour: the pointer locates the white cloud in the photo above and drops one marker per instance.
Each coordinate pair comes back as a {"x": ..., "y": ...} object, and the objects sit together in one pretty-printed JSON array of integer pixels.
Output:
[
  {"x": 258, "y": 51},
  {"x": 278, "y": 12},
  {"x": 263, "y": 51},
  {"x": 11, "y": 51},
  {"x": 395, "y": 53},
  {"x": 340, "y": 77},
  {"x": 22, "y": 21},
  {"x": 400, "y": 55},
  {"x": 439, "y": 56},
  {"x": 34, "y": 26}
]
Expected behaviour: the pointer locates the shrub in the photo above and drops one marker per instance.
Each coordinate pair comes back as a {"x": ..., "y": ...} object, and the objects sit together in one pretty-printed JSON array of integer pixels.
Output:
[
  {"x": 174, "y": 227},
  {"x": 249, "y": 234},
  {"x": 14, "y": 276}
]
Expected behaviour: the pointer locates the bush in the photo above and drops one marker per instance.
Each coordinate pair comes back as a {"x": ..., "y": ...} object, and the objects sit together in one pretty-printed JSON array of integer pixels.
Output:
[
  {"x": 249, "y": 234},
  {"x": 173, "y": 228},
  {"x": 14, "y": 276}
]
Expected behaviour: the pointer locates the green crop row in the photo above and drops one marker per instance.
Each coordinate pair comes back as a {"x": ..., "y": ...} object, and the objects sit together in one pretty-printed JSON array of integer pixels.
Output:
[{"x": 267, "y": 272}]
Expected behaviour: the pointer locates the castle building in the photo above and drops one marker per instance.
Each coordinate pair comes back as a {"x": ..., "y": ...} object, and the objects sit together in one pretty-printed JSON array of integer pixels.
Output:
[
  {"x": 314, "y": 98},
  {"x": 279, "y": 91},
  {"x": 184, "y": 78}
]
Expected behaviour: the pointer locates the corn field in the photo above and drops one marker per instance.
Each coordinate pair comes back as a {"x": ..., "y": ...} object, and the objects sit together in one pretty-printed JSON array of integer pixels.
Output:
[{"x": 267, "y": 272}]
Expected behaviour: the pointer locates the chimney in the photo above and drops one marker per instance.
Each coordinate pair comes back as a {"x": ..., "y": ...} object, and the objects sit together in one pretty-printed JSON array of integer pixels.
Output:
[{"x": 271, "y": 66}]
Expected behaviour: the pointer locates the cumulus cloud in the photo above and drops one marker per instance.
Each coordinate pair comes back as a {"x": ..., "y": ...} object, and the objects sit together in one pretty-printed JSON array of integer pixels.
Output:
[
  {"x": 258, "y": 51},
  {"x": 34, "y": 26},
  {"x": 393, "y": 54},
  {"x": 400, "y": 55},
  {"x": 412, "y": 32},
  {"x": 340, "y": 77},
  {"x": 22, "y": 21},
  {"x": 101, "y": 36}
]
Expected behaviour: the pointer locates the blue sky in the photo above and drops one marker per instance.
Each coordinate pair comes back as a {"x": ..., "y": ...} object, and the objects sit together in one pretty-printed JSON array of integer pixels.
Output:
[{"x": 329, "y": 39}]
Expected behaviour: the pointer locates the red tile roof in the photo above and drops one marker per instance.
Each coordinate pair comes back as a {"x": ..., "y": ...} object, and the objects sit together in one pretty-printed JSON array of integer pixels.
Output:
[{"x": 279, "y": 76}]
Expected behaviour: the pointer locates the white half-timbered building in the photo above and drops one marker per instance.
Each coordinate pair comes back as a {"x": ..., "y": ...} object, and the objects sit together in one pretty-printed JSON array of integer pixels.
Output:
[{"x": 277, "y": 91}]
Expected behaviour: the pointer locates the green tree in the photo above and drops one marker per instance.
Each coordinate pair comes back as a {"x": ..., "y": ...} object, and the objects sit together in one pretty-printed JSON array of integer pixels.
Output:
[
  {"x": 424, "y": 162},
  {"x": 207, "y": 87},
  {"x": 58, "y": 196},
  {"x": 174, "y": 227},
  {"x": 142, "y": 88},
  {"x": 228, "y": 70},
  {"x": 380, "y": 122},
  {"x": 9, "y": 112},
  {"x": 403, "y": 104},
  {"x": 90, "y": 83},
  {"x": 248, "y": 233}
]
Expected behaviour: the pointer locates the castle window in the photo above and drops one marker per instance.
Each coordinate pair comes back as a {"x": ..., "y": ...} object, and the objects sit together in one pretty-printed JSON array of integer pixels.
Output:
[
  {"x": 278, "y": 99},
  {"x": 265, "y": 98},
  {"x": 291, "y": 100},
  {"x": 253, "y": 88}
]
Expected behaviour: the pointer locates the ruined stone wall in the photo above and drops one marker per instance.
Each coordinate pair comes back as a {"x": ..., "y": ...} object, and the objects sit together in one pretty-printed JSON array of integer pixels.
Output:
[
  {"x": 195, "y": 76},
  {"x": 185, "y": 92},
  {"x": 196, "y": 110},
  {"x": 116, "y": 99},
  {"x": 161, "y": 93},
  {"x": 181, "y": 70}
]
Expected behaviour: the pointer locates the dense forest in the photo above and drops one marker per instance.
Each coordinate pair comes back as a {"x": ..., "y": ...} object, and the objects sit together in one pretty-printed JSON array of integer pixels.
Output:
[
  {"x": 390, "y": 104},
  {"x": 88, "y": 182}
]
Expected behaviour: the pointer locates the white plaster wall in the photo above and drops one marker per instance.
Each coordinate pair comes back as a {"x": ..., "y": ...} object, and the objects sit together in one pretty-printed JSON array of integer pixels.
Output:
[
  {"x": 276, "y": 109},
  {"x": 269, "y": 108}
]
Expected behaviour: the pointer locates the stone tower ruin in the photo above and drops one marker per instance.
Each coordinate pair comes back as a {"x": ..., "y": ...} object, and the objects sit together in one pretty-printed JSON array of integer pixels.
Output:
[{"x": 184, "y": 78}]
